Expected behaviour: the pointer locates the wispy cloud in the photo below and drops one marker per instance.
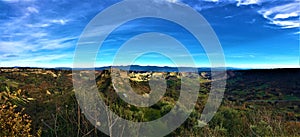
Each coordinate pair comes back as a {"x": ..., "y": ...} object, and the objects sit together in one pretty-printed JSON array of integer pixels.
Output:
[
  {"x": 32, "y": 10},
  {"x": 56, "y": 43},
  {"x": 38, "y": 25},
  {"x": 285, "y": 15},
  {"x": 34, "y": 33},
  {"x": 7, "y": 47},
  {"x": 247, "y": 2},
  {"x": 60, "y": 21},
  {"x": 15, "y": 1},
  {"x": 173, "y": 1},
  {"x": 212, "y": 0}
]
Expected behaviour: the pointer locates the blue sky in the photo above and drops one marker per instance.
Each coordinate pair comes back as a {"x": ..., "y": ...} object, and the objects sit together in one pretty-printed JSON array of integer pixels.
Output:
[{"x": 253, "y": 33}]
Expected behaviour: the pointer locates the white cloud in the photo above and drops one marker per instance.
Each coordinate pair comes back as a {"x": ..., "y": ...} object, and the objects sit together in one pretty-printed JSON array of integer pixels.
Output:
[
  {"x": 39, "y": 34},
  {"x": 16, "y": 47},
  {"x": 32, "y": 10},
  {"x": 56, "y": 43},
  {"x": 173, "y": 1},
  {"x": 38, "y": 25},
  {"x": 48, "y": 23},
  {"x": 14, "y": 1},
  {"x": 10, "y": 46},
  {"x": 285, "y": 16},
  {"x": 9, "y": 0},
  {"x": 247, "y": 2},
  {"x": 36, "y": 42},
  {"x": 34, "y": 34},
  {"x": 287, "y": 24},
  {"x": 60, "y": 21},
  {"x": 212, "y": 0}
]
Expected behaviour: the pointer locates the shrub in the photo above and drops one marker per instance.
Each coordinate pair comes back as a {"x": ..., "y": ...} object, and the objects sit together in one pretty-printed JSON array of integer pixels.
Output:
[{"x": 14, "y": 123}]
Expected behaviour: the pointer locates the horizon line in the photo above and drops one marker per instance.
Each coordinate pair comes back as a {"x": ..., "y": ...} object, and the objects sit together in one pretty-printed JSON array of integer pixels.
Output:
[{"x": 152, "y": 66}]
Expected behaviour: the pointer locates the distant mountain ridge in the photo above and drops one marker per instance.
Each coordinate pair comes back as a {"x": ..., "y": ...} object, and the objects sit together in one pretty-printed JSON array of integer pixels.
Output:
[
  {"x": 155, "y": 68},
  {"x": 134, "y": 68}
]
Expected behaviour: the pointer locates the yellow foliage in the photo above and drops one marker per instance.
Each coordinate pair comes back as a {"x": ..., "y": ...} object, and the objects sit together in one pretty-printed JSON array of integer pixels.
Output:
[{"x": 14, "y": 123}]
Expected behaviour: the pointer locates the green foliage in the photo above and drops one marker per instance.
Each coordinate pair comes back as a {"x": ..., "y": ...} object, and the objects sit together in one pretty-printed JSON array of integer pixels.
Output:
[
  {"x": 152, "y": 114},
  {"x": 245, "y": 111},
  {"x": 262, "y": 129},
  {"x": 231, "y": 120}
]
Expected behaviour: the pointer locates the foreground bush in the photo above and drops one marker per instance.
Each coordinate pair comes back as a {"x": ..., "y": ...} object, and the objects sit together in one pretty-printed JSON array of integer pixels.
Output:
[{"x": 14, "y": 123}]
